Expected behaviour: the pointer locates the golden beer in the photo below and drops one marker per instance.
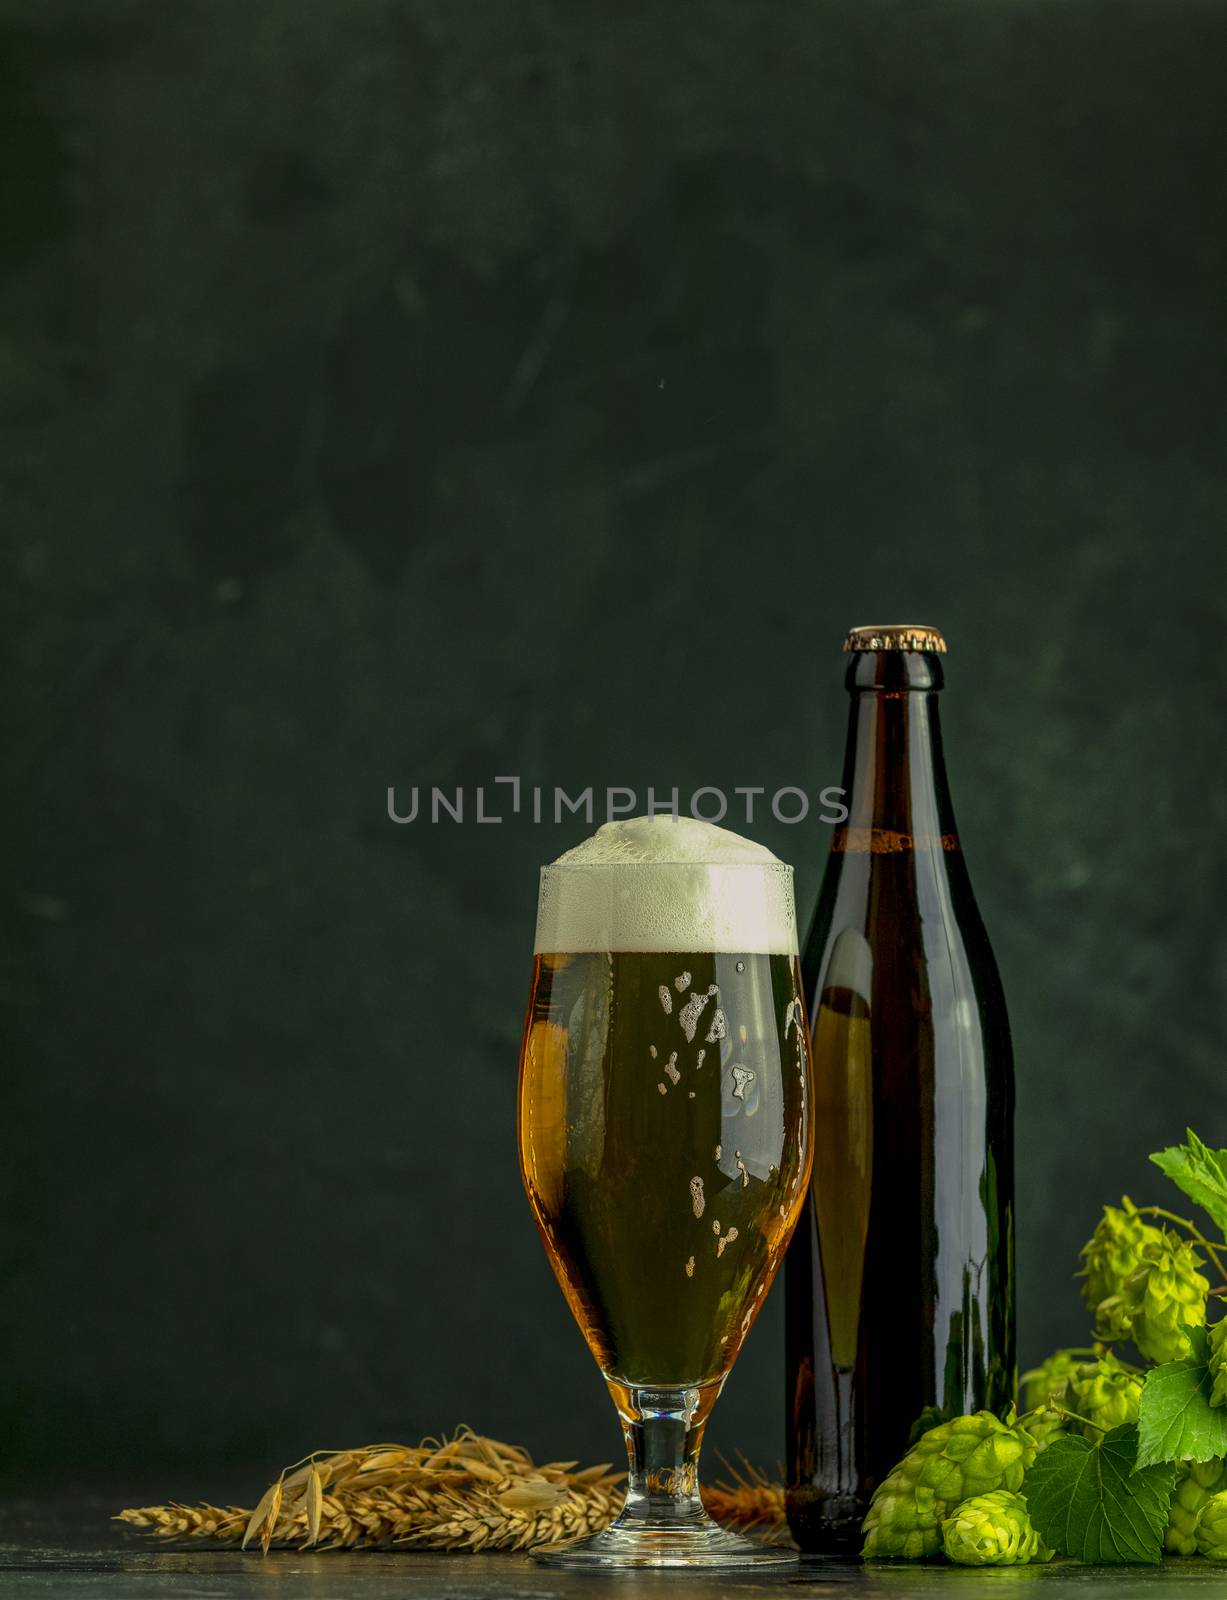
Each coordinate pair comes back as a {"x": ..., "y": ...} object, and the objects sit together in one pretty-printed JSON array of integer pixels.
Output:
[{"x": 663, "y": 1135}]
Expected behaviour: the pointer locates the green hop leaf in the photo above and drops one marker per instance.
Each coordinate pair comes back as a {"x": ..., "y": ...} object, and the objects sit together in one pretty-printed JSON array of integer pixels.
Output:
[
  {"x": 1212, "y": 1528},
  {"x": 1218, "y": 1363},
  {"x": 992, "y": 1530},
  {"x": 1201, "y": 1173},
  {"x": 1088, "y": 1502},
  {"x": 1178, "y": 1420}
]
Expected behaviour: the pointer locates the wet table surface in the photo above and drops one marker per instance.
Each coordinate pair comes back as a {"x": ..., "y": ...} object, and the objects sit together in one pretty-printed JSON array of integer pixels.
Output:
[{"x": 69, "y": 1548}]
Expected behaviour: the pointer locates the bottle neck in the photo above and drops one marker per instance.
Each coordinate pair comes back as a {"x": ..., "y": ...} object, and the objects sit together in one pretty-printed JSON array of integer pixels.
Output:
[{"x": 894, "y": 771}]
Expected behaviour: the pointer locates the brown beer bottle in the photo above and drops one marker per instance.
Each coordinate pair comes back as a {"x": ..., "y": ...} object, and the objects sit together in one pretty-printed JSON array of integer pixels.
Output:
[{"x": 899, "y": 1300}]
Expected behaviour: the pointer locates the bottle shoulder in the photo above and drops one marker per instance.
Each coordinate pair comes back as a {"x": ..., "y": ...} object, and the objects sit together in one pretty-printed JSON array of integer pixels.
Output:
[{"x": 902, "y": 927}]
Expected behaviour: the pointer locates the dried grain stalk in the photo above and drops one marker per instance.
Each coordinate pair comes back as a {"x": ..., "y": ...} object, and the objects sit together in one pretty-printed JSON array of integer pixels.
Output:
[{"x": 466, "y": 1492}]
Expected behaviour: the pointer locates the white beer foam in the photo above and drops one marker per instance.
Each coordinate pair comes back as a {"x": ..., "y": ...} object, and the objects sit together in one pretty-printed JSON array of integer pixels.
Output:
[{"x": 654, "y": 884}]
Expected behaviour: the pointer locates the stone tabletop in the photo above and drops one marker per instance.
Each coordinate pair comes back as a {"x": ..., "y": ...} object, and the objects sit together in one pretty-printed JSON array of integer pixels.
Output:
[{"x": 68, "y": 1548}]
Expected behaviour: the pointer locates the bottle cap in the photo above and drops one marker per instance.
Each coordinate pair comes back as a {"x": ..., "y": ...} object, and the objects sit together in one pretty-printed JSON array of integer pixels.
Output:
[{"x": 896, "y": 636}]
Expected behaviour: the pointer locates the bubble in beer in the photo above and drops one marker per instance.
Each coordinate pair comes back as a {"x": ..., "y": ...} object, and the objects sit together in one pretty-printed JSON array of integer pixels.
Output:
[
  {"x": 690, "y": 1268},
  {"x": 681, "y": 982},
  {"x": 652, "y": 1051},
  {"x": 741, "y": 966},
  {"x": 671, "y": 1071},
  {"x": 725, "y": 1241},
  {"x": 666, "y": 999},
  {"x": 717, "y": 1152},
  {"x": 741, "y": 1168},
  {"x": 697, "y": 1201},
  {"x": 699, "y": 1062},
  {"x": 742, "y": 1079},
  {"x": 663, "y": 1088},
  {"x": 719, "y": 1027},
  {"x": 690, "y": 1013}
]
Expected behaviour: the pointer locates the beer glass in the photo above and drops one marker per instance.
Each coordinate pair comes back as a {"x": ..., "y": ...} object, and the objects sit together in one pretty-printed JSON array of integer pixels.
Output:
[{"x": 665, "y": 1146}]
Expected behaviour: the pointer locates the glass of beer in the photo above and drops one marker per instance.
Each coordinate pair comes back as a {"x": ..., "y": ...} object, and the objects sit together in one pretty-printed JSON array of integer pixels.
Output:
[{"x": 665, "y": 1141}]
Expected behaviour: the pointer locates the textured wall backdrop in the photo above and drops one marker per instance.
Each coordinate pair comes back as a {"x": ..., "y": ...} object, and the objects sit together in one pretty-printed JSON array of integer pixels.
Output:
[{"x": 417, "y": 392}]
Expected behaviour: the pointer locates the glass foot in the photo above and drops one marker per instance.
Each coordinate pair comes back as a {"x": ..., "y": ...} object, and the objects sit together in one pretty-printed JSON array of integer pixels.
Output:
[
  {"x": 645, "y": 1544},
  {"x": 664, "y": 1522}
]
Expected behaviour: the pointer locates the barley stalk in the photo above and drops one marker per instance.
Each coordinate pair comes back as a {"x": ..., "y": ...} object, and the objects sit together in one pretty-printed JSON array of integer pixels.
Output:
[
  {"x": 749, "y": 1501},
  {"x": 462, "y": 1493}
]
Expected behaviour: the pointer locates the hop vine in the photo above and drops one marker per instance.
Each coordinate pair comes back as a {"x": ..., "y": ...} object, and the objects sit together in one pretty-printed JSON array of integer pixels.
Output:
[{"x": 1120, "y": 1453}]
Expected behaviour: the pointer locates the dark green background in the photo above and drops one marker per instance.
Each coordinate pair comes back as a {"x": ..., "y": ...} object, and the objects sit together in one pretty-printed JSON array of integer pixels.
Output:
[{"x": 421, "y": 392}]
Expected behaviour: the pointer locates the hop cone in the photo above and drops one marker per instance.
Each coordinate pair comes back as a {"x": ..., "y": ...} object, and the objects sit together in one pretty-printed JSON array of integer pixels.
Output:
[
  {"x": 1106, "y": 1392},
  {"x": 904, "y": 1521},
  {"x": 1112, "y": 1254},
  {"x": 1163, "y": 1296},
  {"x": 1048, "y": 1380},
  {"x": 992, "y": 1530},
  {"x": 1113, "y": 1322},
  {"x": 1197, "y": 1483},
  {"x": 953, "y": 1462},
  {"x": 1044, "y": 1424},
  {"x": 1212, "y": 1528},
  {"x": 1218, "y": 1363}
]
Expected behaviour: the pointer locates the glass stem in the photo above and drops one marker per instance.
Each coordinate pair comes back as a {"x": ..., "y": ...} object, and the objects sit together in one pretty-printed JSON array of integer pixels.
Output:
[{"x": 664, "y": 1434}]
